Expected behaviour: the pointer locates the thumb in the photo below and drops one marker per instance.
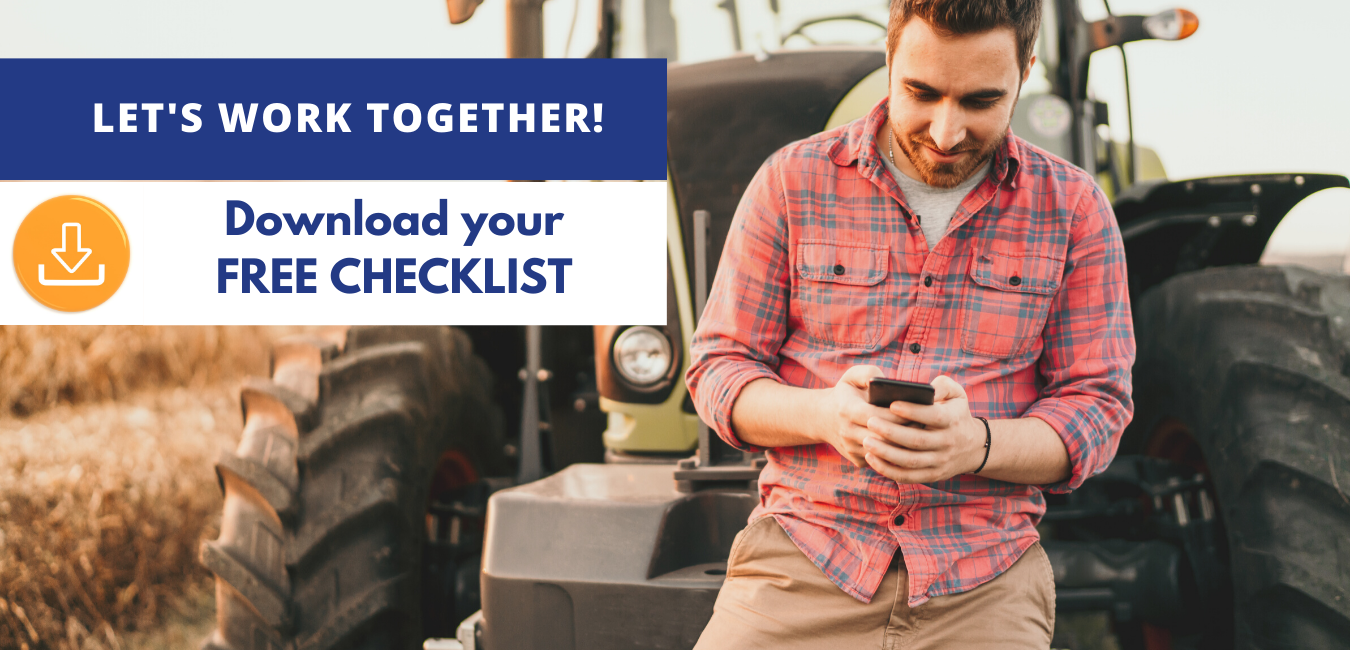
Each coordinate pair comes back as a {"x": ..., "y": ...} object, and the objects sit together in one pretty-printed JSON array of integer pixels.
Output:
[
  {"x": 859, "y": 376},
  {"x": 946, "y": 388}
]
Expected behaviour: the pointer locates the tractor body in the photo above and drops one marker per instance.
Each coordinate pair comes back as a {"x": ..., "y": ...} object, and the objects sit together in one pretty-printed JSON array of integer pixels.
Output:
[{"x": 631, "y": 553}]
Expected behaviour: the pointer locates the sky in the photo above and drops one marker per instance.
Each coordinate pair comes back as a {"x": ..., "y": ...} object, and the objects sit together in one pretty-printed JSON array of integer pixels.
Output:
[{"x": 1261, "y": 87}]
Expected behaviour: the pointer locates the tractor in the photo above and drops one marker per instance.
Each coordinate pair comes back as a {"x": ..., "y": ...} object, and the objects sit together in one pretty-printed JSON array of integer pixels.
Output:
[{"x": 510, "y": 488}]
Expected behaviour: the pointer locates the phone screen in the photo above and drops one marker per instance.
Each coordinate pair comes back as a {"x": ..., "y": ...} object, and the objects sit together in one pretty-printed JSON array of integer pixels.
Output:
[{"x": 881, "y": 392}]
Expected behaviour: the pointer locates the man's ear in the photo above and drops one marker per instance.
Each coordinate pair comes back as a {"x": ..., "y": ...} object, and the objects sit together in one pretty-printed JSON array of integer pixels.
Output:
[{"x": 1026, "y": 74}]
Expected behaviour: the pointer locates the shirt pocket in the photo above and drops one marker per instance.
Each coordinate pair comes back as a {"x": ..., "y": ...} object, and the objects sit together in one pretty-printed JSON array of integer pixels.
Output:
[
  {"x": 1007, "y": 301},
  {"x": 838, "y": 291}
]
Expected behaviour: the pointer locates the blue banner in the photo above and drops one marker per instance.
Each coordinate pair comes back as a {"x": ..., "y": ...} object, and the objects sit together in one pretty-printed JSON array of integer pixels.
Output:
[{"x": 333, "y": 119}]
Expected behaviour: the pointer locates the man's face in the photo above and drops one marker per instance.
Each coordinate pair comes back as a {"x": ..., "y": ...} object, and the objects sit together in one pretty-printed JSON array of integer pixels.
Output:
[{"x": 951, "y": 100}]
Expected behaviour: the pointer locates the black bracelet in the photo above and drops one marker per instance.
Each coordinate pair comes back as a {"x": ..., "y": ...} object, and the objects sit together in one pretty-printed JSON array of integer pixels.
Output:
[{"x": 988, "y": 436}]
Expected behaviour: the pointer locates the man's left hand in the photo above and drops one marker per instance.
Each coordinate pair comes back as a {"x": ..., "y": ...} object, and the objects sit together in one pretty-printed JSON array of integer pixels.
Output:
[{"x": 950, "y": 442}]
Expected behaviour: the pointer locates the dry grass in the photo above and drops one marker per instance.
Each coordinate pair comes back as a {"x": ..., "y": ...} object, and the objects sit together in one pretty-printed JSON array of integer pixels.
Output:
[
  {"x": 107, "y": 440},
  {"x": 102, "y": 507},
  {"x": 42, "y": 366},
  {"x": 192, "y": 619}
]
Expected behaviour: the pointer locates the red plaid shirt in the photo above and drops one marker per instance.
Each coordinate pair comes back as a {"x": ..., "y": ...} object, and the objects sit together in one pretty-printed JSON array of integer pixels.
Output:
[{"x": 826, "y": 268}]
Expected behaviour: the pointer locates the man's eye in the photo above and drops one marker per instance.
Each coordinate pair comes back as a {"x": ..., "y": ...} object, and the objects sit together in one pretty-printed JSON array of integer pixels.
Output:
[
  {"x": 924, "y": 97},
  {"x": 980, "y": 105}
]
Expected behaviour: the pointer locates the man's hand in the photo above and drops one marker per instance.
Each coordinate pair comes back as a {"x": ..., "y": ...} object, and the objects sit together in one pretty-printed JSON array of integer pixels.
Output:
[
  {"x": 951, "y": 442},
  {"x": 847, "y": 414}
]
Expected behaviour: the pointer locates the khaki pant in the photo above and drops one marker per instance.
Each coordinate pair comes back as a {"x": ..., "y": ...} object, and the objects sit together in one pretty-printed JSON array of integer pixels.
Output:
[{"x": 774, "y": 597}]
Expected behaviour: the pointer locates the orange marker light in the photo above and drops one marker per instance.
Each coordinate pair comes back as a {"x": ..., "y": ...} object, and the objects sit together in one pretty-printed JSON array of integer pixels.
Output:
[
  {"x": 461, "y": 10},
  {"x": 1172, "y": 25}
]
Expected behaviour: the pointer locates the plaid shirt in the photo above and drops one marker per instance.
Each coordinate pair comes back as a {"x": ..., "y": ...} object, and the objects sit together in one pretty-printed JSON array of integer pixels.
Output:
[{"x": 1024, "y": 303}]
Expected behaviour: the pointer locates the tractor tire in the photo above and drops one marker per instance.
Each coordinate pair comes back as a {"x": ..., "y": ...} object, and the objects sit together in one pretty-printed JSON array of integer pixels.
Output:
[
  {"x": 323, "y": 523},
  {"x": 1251, "y": 363}
]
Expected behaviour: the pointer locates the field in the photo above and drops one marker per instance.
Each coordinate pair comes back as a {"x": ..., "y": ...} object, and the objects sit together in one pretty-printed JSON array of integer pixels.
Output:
[{"x": 107, "y": 440}]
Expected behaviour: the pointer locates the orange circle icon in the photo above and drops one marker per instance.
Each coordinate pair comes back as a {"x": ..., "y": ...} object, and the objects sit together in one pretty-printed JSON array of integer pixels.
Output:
[{"x": 71, "y": 253}]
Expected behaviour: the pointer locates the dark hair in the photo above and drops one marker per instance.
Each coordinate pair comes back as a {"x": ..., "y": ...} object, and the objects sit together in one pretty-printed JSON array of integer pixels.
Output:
[{"x": 969, "y": 17}]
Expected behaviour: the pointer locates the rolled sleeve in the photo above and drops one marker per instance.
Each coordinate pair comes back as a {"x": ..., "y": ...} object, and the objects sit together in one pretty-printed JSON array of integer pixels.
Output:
[
  {"x": 744, "y": 322},
  {"x": 1089, "y": 346}
]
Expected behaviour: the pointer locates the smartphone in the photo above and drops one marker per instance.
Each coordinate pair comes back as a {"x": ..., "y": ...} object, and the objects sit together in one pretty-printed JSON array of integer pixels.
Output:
[{"x": 881, "y": 392}]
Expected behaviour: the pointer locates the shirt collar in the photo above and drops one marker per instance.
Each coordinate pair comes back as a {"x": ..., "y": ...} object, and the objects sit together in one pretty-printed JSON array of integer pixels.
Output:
[{"x": 858, "y": 144}]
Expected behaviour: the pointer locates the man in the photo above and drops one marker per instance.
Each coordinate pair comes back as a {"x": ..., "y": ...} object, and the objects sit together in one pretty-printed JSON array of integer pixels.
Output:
[{"x": 923, "y": 242}]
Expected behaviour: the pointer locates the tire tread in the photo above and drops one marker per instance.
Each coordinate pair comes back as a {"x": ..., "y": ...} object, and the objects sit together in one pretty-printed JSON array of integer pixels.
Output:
[
  {"x": 367, "y": 411},
  {"x": 1252, "y": 359}
]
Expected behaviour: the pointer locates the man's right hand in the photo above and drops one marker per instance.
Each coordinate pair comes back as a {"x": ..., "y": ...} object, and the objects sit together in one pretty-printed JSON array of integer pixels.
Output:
[{"x": 845, "y": 411}]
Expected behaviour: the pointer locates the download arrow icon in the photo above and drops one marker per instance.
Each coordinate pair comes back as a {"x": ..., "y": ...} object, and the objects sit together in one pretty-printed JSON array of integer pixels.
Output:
[{"x": 65, "y": 254}]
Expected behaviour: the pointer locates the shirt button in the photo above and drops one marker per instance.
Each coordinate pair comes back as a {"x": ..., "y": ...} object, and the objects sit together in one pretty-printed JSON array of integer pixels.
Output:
[
  {"x": 928, "y": 281},
  {"x": 915, "y": 347},
  {"x": 899, "y": 520},
  {"x": 839, "y": 269},
  {"x": 1014, "y": 280}
]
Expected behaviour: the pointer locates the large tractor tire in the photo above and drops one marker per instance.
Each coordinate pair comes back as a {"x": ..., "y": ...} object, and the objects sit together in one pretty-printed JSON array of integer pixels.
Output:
[
  {"x": 1241, "y": 374},
  {"x": 326, "y": 496}
]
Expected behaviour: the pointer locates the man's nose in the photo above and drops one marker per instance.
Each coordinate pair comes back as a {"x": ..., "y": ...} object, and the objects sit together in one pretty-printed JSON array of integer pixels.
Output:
[{"x": 948, "y": 128}]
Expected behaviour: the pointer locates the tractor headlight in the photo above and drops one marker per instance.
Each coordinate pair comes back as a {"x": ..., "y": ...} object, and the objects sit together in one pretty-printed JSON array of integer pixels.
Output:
[{"x": 642, "y": 355}]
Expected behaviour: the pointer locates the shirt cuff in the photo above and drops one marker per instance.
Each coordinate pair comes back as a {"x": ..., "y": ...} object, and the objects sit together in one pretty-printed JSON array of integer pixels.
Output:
[
  {"x": 1082, "y": 439},
  {"x": 724, "y": 397}
]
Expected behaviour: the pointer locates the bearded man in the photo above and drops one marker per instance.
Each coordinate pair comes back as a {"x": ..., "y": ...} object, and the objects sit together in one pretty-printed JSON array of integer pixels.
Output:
[{"x": 924, "y": 242}]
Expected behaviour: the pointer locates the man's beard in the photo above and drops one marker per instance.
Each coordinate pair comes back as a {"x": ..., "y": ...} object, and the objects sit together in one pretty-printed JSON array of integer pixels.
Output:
[{"x": 948, "y": 175}]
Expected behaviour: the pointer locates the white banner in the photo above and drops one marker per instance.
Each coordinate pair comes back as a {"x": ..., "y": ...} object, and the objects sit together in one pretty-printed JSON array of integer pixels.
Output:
[{"x": 458, "y": 253}]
